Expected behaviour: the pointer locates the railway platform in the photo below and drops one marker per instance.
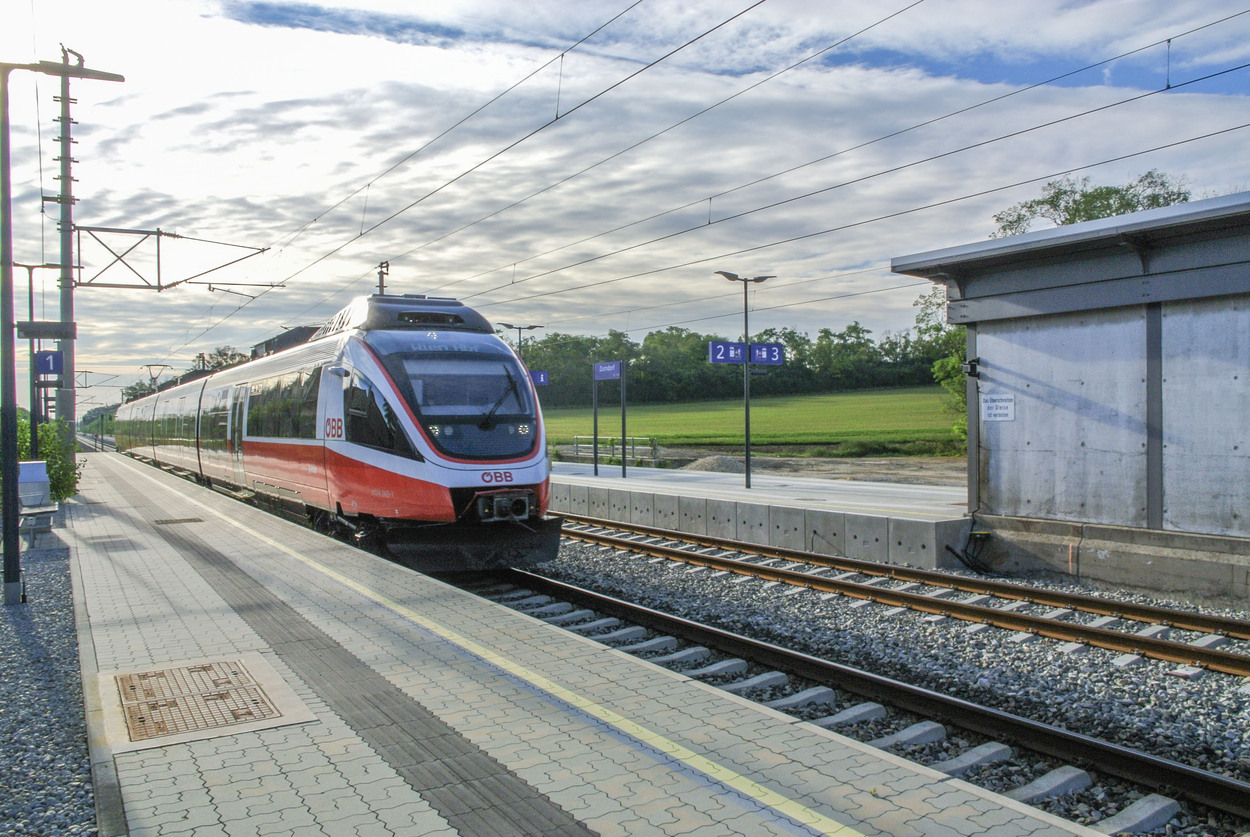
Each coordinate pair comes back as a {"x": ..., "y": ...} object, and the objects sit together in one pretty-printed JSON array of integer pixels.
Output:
[
  {"x": 244, "y": 675},
  {"x": 871, "y": 521}
]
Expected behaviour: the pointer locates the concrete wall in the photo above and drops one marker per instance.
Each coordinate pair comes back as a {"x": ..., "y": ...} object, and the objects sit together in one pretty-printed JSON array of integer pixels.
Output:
[
  {"x": 1206, "y": 410},
  {"x": 902, "y": 541},
  {"x": 1074, "y": 447},
  {"x": 1196, "y": 567}
]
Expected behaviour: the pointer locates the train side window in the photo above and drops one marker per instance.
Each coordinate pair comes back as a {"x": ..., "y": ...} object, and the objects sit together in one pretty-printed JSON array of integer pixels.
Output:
[
  {"x": 370, "y": 420},
  {"x": 305, "y": 396}
]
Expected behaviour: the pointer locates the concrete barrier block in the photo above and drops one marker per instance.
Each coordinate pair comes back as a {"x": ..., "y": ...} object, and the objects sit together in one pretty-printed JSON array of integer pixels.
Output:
[
  {"x": 558, "y": 498},
  {"x": 952, "y": 533},
  {"x": 722, "y": 518},
  {"x": 600, "y": 503},
  {"x": 824, "y": 532},
  {"x": 867, "y": 537},
  {"x": 692, "y": 515},
  {"x": 579, "y": 499},
  {"x": 642, "y": 508},
  {"x": 667, "y": 509},
  {"x": 912, "y": 543},
  {"x": 619, "y": 504},
  {"x": 751, "y": 523},
  {"x": 787, "y": 528}
]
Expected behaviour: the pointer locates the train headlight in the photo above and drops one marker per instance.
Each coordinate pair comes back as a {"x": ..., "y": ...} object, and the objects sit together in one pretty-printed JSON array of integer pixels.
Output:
[{"x": 523, "y": 429}]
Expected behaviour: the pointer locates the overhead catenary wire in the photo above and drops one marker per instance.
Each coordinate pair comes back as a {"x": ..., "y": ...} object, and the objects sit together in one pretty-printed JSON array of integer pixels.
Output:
[
  {"x": 526, "y": 137},
  {"x": 862, "y": 222},
  {"x": 857, "y": 180},
  {"x": 510, "y": 146},
  {"x": 758, "y": 209},
  {"x": 459, "y": 123},
  {"x": 792, "y": 169}
]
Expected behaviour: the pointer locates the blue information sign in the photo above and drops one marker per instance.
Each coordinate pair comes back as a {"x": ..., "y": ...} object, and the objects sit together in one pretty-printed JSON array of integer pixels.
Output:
[
  {"x": 773, "y": 354},
  {"x": 721, "y": 352},
  {"x": 608, "y": 370},
  {"x": 539, "y": 378},
  {"x": 49, "y": 363}
]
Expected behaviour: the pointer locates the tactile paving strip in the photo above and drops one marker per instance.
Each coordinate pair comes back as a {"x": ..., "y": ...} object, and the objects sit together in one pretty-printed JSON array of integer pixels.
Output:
[{"x": 191, "y": 698}]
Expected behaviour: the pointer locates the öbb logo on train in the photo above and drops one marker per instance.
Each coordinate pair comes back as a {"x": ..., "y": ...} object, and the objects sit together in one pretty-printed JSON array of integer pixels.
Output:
[
  {"x": 497, "y": 476},
  {"x": 334, "y": 428}
]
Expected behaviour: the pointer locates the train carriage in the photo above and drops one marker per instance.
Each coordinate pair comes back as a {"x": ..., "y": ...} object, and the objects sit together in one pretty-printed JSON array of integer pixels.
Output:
[{"x": 404, "y": 422}]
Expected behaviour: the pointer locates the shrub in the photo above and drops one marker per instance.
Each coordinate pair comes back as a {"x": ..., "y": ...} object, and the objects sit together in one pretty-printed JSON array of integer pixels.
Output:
[{"x": 56, "y": 447}]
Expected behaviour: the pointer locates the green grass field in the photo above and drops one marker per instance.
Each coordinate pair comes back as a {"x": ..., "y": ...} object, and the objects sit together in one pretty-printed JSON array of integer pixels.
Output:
[{"x": 868, "y": 422}]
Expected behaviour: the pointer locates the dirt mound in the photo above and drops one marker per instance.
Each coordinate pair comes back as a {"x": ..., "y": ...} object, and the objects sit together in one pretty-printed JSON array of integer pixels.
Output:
[{"x": 716, "y": 464}]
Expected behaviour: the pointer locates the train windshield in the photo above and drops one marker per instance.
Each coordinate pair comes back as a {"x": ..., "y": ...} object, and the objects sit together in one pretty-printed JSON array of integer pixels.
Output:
[{"x": 467, "y": 390}]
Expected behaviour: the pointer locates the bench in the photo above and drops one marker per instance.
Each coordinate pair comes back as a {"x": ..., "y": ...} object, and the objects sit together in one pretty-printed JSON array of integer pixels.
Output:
[{"x": 35, "y": 505}]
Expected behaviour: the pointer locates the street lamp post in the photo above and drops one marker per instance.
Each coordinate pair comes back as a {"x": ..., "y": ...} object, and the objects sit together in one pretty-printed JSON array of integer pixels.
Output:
[
  {"x": 11, "y": 516},
  {"x": 746, "y": 364},
  {"x": 519, "y": 329}
]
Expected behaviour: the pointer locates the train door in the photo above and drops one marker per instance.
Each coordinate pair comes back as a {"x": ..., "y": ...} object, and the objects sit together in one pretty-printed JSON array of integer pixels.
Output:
[{"x": 238, "y": 400}]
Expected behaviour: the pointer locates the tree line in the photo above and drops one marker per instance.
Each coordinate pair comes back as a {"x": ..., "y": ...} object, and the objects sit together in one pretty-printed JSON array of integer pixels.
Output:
[{"x": 672, "y": 365}]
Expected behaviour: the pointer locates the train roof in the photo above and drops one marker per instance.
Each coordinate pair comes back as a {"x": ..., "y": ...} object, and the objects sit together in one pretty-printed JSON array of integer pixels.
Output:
[{"x": 376, "y": 312}]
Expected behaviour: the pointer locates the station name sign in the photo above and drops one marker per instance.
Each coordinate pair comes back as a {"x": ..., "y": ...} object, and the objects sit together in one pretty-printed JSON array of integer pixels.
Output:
[
  {"x": 608, "y": 370},
  {"x": 47, "y": 330}
]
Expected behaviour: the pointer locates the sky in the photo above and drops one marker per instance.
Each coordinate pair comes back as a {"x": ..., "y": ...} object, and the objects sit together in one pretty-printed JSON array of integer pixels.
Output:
[{"x": 580, "y": 165}]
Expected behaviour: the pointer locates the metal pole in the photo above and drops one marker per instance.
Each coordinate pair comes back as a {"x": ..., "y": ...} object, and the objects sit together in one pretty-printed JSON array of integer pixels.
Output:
[
  {"x": 36, "y": 397},
  {"x": 34, "y": 372},
  {"x": 746, "y": 363},
  {"x": 624, "y": 368},
  {"x": 66, "y": 409},
  {"x": 8, "y": 369},
  {"x": 746, "y": 382}
]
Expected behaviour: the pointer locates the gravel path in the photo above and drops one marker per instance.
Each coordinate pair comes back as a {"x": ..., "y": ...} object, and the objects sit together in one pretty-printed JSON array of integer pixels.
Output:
[{"x": 45, "y": 770}]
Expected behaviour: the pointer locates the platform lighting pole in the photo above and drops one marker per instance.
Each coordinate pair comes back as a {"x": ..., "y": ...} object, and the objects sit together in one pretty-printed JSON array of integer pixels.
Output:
[
  {"x": 519, "y": 329},
  {"x": 11, "y": 517},
  {"x": 746, "y": 364}
]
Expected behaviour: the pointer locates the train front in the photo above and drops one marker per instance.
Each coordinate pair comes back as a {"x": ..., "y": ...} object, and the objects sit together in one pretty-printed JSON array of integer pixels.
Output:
[{"x": 479, "y": 453}]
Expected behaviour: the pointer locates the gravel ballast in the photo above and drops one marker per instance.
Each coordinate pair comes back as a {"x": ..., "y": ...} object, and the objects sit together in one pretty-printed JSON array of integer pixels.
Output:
[{"x": 44, "y": 764}]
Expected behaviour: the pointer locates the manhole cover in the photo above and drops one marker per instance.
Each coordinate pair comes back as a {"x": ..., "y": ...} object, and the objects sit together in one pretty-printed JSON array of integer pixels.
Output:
[{"x": 191, "y": 698}]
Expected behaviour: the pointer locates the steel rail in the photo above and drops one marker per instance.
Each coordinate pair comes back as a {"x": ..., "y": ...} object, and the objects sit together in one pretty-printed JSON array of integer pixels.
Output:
[
  {"x": 1184, "y": 620},
  {"x": 1221, "y": 792},
  {"x": 1177, "y": 652}
]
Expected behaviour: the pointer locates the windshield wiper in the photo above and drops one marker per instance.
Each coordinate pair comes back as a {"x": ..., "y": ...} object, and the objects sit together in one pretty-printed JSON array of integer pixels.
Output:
[{"x": 511, "y": 389}]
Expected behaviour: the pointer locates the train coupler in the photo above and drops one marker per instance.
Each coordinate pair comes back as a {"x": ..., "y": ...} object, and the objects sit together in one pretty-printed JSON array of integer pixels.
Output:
[{"x": 512, "y": 506}]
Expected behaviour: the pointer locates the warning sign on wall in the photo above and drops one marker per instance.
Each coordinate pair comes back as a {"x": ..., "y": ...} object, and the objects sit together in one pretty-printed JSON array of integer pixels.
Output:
[{"x": 998, "y": 407}]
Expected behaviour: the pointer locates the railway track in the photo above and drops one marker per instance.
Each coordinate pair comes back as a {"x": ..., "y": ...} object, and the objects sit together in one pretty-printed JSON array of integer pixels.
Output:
[
  {"x": 637, "y": 629},
  {"x": 988, "y": 602}
]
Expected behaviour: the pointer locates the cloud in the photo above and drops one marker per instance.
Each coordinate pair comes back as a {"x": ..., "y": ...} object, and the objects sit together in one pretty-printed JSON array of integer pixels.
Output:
[
  {"x": 397, "y": 28},
  {"x": 339, "y": 135}
]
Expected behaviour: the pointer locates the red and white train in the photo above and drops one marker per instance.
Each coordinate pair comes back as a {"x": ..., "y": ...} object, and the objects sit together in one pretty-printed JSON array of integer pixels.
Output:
[{"x": 404, "y": 423}]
